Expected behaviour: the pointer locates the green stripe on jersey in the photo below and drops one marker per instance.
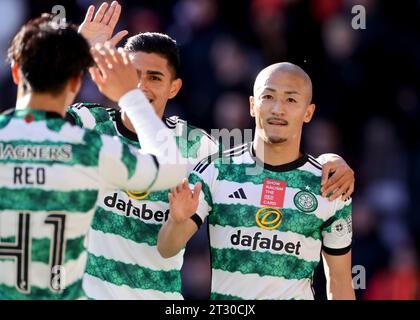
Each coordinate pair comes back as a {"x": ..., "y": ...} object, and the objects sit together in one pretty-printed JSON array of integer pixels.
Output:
[
  {"x": 129, "y": 160},
  {"x": 262, "y": 263},
  {"x": 220, "y": 296},
  {"x": 4, "y": 120},
  {"x": 43, "y": 200},
  {"x": 41, "y": 248},
  {"x": 340, "y": 214},
  {"x": 293, "y": 220},
  {"x": 295, "y": 178},
  {"x": 193, "y": 179},
  {"x": 134, "y": 276},
  {"x": 74, "y": 291},
  {"x": 110, "y": 222},
  {"x": 100, "y": 114},
  {"x": 55, "y": 124}
]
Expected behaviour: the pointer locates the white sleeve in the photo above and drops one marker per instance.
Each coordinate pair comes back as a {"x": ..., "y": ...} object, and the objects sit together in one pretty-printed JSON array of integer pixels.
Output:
[
  {"x": 337, "y": 231},
  {"x": 122, "y": 166},
  {"x": 156, "y": 139},
  {"x": 323, "y": 158}
]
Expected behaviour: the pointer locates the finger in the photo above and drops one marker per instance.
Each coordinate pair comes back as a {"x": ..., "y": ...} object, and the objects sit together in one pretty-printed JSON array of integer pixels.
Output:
[
  {"x": 185, "y": 184},
  {"x": 111, "y": 53},
  {"x": 170, "y": 197},
  {"x": 118, "y": 57},
  {"x": 96, "y": 76},
  {"x": 109, "y": 13},
  {"x": 100, "y": 61},
  {"x": 125, "y": 56},
  {"x": 118, "y": 37},
  {"x": 115, "y": 16},
  {"x": 339, "y": 192},
  {"x": 107, "y": 54},
  {"x": 337, "y": 175},
  {"x": 334, "y": 186},
  {"x": 89, "y": 14},
  {"x": 178, "y": 188},
  {"x": 348, "y": 193},
  {"x": 325, "y": 173},
  {"x": 197, "y": 190},
  {"x": 100, "y": 14}
]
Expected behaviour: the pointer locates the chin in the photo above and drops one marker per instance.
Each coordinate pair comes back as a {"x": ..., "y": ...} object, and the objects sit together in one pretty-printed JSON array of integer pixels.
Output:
[{"x": 276, "y": 140}]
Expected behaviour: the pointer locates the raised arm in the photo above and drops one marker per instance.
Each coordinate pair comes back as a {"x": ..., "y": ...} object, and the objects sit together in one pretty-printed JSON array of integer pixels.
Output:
[
  {"x": 179, "y": 228},
  {"x": 99, "y": 28},
  {"x": 116, "y": 78}
]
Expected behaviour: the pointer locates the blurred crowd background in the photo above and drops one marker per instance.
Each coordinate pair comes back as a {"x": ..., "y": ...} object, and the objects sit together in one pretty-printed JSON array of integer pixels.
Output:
[{"x": 366, "y": 88}]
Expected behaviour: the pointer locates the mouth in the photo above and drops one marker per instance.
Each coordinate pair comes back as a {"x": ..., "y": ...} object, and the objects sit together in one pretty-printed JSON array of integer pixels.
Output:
[{"x": 277, "y": 122}]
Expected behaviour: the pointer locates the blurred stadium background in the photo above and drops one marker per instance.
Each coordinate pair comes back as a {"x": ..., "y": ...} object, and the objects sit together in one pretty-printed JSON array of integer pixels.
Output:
[{"x": 366, "y": 87}]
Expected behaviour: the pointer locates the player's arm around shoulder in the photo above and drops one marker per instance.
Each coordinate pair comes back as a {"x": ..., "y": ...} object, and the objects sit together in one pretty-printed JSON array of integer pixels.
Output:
[
  {"x": 337, "y": 177},
  {"x": 336, "y": 252}
]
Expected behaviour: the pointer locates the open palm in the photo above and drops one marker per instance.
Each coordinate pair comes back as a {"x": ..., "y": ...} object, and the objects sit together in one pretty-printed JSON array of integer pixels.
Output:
[
  {"x": 99, "y": 29},
  {"x": 183, "y": 203}
]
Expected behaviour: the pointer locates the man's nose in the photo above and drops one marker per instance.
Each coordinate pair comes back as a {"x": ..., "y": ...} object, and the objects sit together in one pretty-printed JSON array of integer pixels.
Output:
[
  {"x": 142, "y": 85},
  {"x": 278, "y": 108}
]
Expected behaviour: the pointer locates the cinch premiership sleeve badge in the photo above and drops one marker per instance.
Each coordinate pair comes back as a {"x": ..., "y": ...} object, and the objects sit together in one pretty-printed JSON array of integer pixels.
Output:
[{"x": 305, "y": 201}]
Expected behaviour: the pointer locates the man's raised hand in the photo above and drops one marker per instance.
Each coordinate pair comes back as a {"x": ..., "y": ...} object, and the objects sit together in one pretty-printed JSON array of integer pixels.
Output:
[
  {"x": 114, "y": 74},
  {"x": 182, "y": 202},
  {"x": 99, "y": 28}
]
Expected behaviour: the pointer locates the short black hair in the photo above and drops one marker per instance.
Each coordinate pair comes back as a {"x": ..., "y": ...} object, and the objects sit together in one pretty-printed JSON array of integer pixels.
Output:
[
  {"x": 159, "y": 43},
  {"x": 49, "y": 54}
]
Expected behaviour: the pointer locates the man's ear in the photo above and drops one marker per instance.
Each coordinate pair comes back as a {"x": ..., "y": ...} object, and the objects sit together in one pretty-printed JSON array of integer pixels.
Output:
[
  {"x": 74, "y": 84},
  {"x": 252, "y": 106},
  {"x": 310, "y": 110},
  {"x": 15, "y": 73},
  {"x": 175, "y": 87}
]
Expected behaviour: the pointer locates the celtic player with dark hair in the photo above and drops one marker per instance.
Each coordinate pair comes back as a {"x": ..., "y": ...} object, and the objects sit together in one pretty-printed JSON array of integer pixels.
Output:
[
  {"x": 51, "y": 171},
  {"x": 123, "y": 261},
  {"x": 268, "y": 222}
]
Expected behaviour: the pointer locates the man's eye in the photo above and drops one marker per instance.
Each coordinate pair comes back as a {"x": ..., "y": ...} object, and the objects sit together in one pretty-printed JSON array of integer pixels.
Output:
[
  {"x": 267, "y": 97},
  {"x": 155, "y": 78},
  {"x": 291, "y": 100}
]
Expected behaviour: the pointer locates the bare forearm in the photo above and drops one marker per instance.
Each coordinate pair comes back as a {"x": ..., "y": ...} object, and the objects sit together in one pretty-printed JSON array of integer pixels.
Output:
[
  {"x": 173, "y": 237},
  {"x": 340, "y": 289}
]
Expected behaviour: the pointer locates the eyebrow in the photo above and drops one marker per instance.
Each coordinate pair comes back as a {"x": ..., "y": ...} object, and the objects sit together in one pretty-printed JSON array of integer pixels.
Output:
[
  {"x": 285, "y": 92},
  {"x": 292, "y": 92},
  {"x": 269, "y": 89},
  {"x": 153, "y": 72}
]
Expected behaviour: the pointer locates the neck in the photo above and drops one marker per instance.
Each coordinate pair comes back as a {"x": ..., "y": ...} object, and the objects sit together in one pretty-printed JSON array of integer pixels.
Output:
[
  {"x": 42, "y": 101},
  {"x": 276, "y": 154},
  {"x": 127, "y": 122}
]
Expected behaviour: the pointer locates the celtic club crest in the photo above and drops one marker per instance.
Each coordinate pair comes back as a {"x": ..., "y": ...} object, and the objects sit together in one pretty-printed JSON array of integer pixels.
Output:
[{"x": 305, "y": 201}]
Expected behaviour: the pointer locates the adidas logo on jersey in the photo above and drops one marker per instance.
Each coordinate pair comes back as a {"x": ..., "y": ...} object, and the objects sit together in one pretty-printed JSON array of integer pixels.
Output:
[
  {"x": 238, "y": 194},
  {"x": 128, "y": 209}
]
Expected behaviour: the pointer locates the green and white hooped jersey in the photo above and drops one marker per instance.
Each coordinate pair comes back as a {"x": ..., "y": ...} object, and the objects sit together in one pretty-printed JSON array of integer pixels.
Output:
[
  {"x": 123, "y": 261},
  {"x": 267, "y": 229},
  {"x": 51, "y": 173}
]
